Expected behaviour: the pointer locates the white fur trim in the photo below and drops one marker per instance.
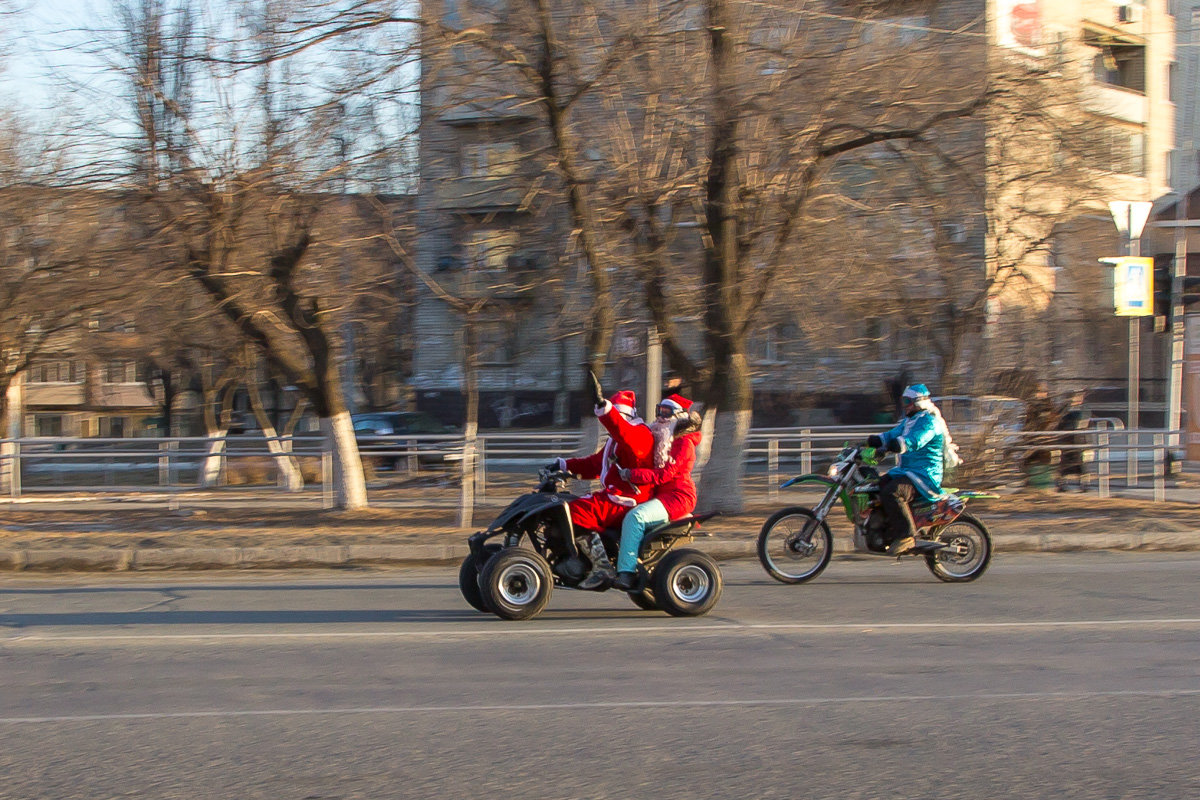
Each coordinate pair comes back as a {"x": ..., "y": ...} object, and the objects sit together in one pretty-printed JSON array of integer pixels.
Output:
[
  {"x": 603, "y": 408},
  {"x": 628, "y": 411},
  {"x": 666, "y": 401},
  {"x": 628, "y": 502},
  {"x": 562, "y": 464}
]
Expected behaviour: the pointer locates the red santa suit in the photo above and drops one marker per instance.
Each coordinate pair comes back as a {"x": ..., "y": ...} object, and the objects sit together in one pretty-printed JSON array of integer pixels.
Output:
[{"x": 630, "y": 445}]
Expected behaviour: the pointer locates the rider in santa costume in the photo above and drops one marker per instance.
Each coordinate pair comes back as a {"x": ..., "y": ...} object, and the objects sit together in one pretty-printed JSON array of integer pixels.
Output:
[{"x": 630, "y": 446}]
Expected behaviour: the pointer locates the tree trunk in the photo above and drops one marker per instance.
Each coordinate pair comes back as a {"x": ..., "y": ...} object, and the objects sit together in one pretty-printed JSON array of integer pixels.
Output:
[
  {"x": 210, "y": 467},
  {"x": 466, "y": 504},
  {"x": 721, "y": 482},
  {"x": 349, "y": 486},
  {"x": 290, "y": 477},
  {"x": 216, "y": 428}
]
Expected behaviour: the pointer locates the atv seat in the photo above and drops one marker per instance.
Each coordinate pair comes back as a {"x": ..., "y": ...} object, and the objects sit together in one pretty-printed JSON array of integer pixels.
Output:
[{"x": 661, "y": 537}]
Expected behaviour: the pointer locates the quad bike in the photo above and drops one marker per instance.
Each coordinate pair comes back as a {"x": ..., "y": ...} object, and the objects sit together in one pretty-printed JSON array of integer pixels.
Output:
[
  {"x": 535, "y": 549},
  {"x": 795, "y": 543}
]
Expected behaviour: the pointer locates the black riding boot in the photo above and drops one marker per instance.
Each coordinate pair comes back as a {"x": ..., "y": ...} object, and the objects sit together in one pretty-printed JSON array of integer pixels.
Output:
[{"x": 602, "y": 570}]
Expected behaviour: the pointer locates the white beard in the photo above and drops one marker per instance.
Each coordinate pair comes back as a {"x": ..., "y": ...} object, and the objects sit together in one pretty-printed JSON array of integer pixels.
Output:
[{"x": 663, "y": 434}]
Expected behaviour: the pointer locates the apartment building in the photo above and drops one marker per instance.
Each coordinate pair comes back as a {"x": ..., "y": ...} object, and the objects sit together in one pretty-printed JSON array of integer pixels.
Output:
[{"x": 491, "y": 222}]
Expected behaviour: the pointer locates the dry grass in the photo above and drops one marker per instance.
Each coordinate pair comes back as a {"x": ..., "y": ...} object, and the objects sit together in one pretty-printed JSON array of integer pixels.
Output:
[{"x": 25, "y": 527}]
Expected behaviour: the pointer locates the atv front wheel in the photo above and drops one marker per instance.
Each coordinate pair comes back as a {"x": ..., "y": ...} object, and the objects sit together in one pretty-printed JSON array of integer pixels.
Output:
[
  {"x": 516, "y": 583},
  {"x": 468, "y": 576}
]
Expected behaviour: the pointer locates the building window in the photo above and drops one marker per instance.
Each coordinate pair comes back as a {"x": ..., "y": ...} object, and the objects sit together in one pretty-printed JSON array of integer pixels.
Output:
[
  {"x": 1120, "y": 65},
  {"x": 763, "y": 345},
  {"x": 123, "y": 372},
  {"x": 494, "y": 342},
  {"x": 488, "y": 251},
  {"x": 47, "y": 425},
  {"x": 56, "y": 372},
  {"x": 114, "y": 427},
  {"x": 489, "y": 160}
]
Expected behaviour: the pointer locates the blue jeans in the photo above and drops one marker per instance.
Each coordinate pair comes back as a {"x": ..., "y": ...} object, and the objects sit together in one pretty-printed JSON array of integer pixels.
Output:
[{"x": 646, "y": 515}]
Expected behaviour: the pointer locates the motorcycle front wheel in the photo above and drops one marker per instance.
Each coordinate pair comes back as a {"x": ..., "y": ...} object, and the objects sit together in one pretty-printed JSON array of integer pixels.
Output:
[
  {"x": 794, "y": 546},
  {"x": 971, "y": 536}
]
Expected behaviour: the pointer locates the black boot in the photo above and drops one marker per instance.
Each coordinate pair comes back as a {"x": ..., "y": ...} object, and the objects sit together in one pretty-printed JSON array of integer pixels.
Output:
[
  {"x": 626, "y": 581},
  {"x": 602, "y": 571}
]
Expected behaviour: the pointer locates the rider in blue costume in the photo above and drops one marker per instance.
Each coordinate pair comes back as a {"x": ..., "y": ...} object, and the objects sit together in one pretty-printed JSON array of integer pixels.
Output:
[{"x": 922, "y": 443}]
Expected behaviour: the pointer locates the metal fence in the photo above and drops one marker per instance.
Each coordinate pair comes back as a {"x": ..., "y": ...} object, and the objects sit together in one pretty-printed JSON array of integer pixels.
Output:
[{"x": 439, "y": 467}]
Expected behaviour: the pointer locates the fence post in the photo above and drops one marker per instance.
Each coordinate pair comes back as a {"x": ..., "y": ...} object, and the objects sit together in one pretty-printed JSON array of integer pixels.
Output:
[
  {"x": 1103, "y": 467},
  {"x": 805, "y": 451},
  {"x": 164, "y": 464},
  {"x": 14, "y": 481},
  {"x": 480, "y": 469},
  {"x": 414, "y": 464},
  {"x": 326, "y": 476},
  {"x": 1160, "y": 485},
  {"x": 1131, "y": 454},
  {"x": 773, "y": 468}
]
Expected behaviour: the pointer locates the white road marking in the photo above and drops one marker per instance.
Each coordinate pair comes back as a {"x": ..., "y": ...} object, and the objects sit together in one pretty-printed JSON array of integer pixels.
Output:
[
  {"x": 683, "y": 629},
  {"x": 613, "y": 705}
]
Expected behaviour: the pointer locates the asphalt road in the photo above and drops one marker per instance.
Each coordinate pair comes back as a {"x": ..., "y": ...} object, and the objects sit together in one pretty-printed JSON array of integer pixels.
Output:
[{"x": 1064, "y": 676}]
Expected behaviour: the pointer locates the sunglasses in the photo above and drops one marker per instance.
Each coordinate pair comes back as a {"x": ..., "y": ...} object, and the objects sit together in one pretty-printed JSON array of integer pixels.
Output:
[{"x": 665, "y": 411}]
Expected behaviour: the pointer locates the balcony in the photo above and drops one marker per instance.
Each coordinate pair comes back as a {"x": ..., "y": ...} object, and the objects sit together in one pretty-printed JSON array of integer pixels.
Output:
[
  {"x": 1112, "y": 101},
  {"x": 479, "y": 194}
]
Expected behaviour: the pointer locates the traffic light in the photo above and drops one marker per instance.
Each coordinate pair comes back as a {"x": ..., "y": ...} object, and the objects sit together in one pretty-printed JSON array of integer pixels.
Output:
[
  {"x": 1191, "y": 291},
  {"x": 1164, "y": 265},
  {"x": 1164, "y": 268}
]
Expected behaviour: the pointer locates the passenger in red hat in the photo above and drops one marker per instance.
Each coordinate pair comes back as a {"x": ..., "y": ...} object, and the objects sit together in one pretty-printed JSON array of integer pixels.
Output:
[
  {"x": 676, "y": 431},
  {"x": 629, "y": 446}
]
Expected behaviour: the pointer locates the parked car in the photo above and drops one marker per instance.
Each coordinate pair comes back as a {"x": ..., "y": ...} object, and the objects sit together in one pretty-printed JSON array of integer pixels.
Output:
[{"x": 385, "y": 431}]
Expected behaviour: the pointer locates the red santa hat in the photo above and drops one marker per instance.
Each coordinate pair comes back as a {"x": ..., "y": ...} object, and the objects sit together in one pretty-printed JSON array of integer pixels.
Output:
[
  {"x": 677, "y": 402},
  {"x": 625, "y": 402}
]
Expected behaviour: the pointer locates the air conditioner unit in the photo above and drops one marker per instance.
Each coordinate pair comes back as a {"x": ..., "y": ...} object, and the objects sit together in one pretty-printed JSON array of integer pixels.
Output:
[{"x": 1129, "y": 13}]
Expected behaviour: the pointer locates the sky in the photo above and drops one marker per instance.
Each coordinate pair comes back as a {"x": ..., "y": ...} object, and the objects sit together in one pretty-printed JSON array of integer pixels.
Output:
[{"x": 41, "y": 42}]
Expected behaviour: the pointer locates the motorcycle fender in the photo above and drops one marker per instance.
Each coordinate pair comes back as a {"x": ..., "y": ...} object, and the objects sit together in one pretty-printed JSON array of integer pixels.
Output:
[
  {"x": 811, "y": 478},
  {"x": 970, "y": 494}
]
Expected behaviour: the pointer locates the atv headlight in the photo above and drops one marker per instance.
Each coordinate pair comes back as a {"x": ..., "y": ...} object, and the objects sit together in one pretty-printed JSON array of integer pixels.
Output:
[{"x": 832, "y": 472}]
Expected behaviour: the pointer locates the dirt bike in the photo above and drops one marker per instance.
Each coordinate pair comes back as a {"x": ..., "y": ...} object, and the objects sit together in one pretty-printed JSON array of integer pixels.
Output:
[
  {"x": 537, "y": 550},
  {"x": 795, "y": 543}
]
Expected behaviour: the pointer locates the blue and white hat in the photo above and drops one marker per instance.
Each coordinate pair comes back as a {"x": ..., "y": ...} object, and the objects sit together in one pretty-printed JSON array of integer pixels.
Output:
[{"x": 915, "y": 392}]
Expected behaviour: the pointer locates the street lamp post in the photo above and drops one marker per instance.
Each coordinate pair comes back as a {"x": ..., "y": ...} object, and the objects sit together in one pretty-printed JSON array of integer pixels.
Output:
[{"x": 1130, "y": 218}]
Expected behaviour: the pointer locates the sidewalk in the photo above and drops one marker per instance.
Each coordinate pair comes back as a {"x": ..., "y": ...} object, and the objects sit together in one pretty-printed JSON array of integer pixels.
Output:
[{"x": 264, "y": 533}]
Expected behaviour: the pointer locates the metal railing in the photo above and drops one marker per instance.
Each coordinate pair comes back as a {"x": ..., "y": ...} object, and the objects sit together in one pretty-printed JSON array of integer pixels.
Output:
[{"x": 504, "y": 460}]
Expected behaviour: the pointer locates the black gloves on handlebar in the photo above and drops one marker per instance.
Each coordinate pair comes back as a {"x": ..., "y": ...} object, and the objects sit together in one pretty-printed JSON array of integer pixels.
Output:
[
  {"x": 597, "y": 391},
  {"x": 874, "y": 441},
  {"x": 894, "y": 445},
  {"x": 552, "y": 466}
]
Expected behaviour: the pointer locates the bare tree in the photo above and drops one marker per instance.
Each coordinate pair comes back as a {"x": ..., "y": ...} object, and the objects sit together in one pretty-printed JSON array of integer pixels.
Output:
[{"x": 250, "y": 219}]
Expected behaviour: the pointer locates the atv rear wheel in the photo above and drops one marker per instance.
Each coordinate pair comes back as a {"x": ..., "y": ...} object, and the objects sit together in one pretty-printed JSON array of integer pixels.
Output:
[
  {"x": 687, "y": 583},
  {"x": 644, "y": 599}
]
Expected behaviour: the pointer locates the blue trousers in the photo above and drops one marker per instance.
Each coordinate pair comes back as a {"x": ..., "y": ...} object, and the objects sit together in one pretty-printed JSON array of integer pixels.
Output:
[{"x": 646, "y": 515}]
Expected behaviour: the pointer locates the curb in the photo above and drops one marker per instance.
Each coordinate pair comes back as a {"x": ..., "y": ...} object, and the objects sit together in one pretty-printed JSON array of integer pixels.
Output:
[{"x": 208, "y": 558}]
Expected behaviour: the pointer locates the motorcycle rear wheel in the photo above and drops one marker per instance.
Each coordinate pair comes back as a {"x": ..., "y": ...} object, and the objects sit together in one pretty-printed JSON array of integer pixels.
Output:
[
  {"x": 966, "y": 531},
  {"x": 794, "y": 546}
]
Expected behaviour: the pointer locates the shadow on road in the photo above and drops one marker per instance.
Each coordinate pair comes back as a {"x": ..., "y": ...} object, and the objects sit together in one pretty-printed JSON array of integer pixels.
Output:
[{"x": 126, "y": 618}]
